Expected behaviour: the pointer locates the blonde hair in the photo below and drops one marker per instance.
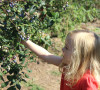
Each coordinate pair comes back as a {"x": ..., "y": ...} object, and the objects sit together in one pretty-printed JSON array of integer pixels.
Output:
[{"x": 86, "y": 56}]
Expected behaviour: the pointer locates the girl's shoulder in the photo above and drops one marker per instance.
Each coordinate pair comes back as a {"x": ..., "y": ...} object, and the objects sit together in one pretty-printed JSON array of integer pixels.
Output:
[{"x": 88, "y": 82}]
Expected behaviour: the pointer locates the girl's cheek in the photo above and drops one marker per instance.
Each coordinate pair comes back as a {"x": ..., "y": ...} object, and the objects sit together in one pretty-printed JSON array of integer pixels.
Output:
[{"x": 63, "y": 50}]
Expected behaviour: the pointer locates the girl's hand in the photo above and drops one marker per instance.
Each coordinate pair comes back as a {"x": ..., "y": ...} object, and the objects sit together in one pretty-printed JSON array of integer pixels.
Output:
[{"x": 22, "y": 36}]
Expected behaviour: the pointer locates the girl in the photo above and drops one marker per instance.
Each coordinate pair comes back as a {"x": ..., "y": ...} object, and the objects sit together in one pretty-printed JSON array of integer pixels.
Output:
[{"x": 80, "y": 64}]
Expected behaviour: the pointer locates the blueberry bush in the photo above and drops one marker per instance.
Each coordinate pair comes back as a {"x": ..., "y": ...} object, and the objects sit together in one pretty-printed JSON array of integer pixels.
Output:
[{"x": 32, "y": 17}]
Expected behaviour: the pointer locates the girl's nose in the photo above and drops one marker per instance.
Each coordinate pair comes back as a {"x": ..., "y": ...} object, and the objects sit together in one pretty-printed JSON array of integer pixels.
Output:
[{"x": 63, "y": 51}]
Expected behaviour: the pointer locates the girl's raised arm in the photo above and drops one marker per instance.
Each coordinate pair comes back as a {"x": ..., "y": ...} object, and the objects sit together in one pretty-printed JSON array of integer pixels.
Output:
[{"x": 42, "y": 53}]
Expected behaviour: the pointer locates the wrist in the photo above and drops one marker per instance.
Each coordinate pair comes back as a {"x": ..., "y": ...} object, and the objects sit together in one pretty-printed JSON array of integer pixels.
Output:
[{"x": 24, "y": 42}]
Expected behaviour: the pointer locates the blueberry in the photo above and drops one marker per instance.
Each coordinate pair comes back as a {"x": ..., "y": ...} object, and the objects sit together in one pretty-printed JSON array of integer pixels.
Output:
[
  {"x": 33, "y": 17},
  {"x": 14, "y": 57},
  {"x": 22, "y": 14},
  {"x": 21, "y": 36},
  {"x": 64, "y": 8},
  {"x": 3, "y": 58},
  {"x": 31, "y": 21},
  {"x": 27, "y": 38},
  {"x": 23, "y": 72},
  {"x": 8, "y": 11},
  {"x": 14, "y": 61},
  {"x": 67, "y": 5},
  {"x": 8, "y": 70},
  {"x": 4, "y": 23},
  {"x": 11, "y": 4}
]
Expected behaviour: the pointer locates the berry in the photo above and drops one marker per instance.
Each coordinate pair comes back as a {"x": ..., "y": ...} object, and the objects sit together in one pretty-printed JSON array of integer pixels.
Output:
[
  {"x": 4, "y": 23},
  {"x": 23, "y": 72},
  {"x": 8, "y": 70},
  {"x": 33, "y": 17},
  {"x": 11, "y": 4},
  {"x": 67, "y": 4},
  {"x": 22, "y": 38},
  {"x": 22, "y": 14},
  {"x": 14, "y": 57},
  {"x": 8, "y": 11},
  {"x": 27, "y": 38},
  {"x": 3, "y": 58},
  {"x": 14, "y": 61},
  {"x": 31, "y": 21},
  {"x": 20, "y": 35}
]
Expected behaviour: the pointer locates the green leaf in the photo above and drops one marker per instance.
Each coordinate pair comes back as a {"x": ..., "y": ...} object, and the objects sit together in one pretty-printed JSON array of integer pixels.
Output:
[
  {"x": 4, "y": 84},
  {"x": 1, "y": 78},
  {"x": 32, "y": 9},
  {"x": 29, "y": 71},
  {"x": 50, "y": 23},
  {"x": 56, "y": 15},
  {"x": 23, "y": 60},
  {"x": 49, "y": 14},
  {"x": 9, "y": 78},
  {"x": 26, "y": 76},
  {"x": 13, "y": 80},
  {"x": 18, "y": 86},
  {"x": 11, "y": 88},
  {"x": 42, "y": 3},
  {"x": 46, "y": 46},
  {"x": 4, "y": 72},
  {"x": 31, "y": 58},
  {"x": 20, "y": 8},
  {"x": 27, "y": 51},
  {"x": 1, "y": 73}
]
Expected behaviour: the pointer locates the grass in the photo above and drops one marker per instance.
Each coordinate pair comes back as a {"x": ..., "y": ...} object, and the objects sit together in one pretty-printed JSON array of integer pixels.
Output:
[
  {"x": 55, "y": 73},
  {"x": 97, "y": 30},
  {"x": 32, "y": 86}
]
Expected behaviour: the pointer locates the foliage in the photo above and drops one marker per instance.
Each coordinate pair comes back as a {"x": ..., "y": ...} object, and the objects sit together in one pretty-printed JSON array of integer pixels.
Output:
[
  {"x": 31, "y": 85},
  {"x": 55, "y": 73},
  {"x": 31, "y": 17},
  {"x": 35, "y": 18},
  {"x": 76, "y": 12}
]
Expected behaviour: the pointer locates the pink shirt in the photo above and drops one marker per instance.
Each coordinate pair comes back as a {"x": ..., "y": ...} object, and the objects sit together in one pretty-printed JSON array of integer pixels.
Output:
[{"x": 87, "y": 82}]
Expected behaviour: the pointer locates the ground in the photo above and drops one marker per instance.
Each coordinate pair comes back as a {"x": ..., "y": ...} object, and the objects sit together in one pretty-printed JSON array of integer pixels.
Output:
[{"x": 45, "y": 75}]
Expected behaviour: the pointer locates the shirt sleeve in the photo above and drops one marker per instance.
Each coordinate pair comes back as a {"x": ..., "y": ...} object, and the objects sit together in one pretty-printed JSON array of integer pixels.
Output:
[{"x": 89, "y": 83}]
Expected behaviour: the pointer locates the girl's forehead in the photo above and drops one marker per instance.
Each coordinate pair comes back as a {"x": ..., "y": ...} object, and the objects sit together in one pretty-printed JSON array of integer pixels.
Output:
[{"x": 69, "y": 41}]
